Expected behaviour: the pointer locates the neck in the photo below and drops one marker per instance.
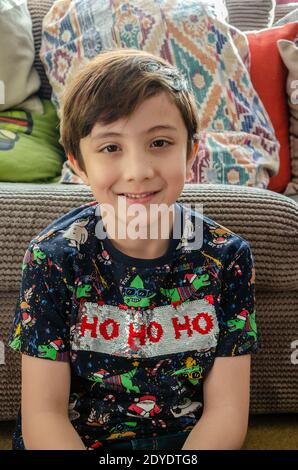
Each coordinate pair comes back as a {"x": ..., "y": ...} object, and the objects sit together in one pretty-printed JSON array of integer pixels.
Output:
[{"x": 153, "y": 244}]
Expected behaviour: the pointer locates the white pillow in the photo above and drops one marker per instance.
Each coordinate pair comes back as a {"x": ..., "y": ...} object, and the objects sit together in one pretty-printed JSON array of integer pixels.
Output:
[{"x": 18, "y": 79}]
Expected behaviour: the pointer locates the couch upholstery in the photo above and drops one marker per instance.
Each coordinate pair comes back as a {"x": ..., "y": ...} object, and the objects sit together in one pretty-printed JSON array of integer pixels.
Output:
[{"x": 268, "y": 220}]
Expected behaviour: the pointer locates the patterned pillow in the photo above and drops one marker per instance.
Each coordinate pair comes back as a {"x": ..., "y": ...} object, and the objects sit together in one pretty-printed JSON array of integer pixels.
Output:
[{"x": 238, "y": 145}]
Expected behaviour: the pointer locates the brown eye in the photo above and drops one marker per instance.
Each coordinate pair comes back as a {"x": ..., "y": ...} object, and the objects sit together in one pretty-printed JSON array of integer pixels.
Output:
[
  {"x": 160, "y": 143},
  {"x": 111, "y": 149}
]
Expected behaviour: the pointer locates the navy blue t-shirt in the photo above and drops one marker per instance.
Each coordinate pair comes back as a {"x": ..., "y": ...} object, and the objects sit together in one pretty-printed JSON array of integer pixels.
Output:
[{"x": 140, "y": 334}]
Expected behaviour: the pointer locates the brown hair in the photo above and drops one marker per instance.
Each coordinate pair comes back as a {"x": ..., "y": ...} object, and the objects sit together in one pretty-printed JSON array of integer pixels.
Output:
[{"x": 111, "y": 86}]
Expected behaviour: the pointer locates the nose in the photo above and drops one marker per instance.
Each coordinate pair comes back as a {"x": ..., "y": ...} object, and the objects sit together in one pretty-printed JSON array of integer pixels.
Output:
[{"x": 137, "y": 166}]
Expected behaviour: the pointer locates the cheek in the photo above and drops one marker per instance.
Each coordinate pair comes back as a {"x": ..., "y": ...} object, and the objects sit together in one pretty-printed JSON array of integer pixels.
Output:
[
  {"x": 177, "y": 172},
  {"x": 101, "y": 176}
]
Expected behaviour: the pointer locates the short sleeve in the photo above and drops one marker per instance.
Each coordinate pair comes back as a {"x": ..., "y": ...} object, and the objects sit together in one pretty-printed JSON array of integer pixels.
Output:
[
  {"x": 41, "y": 324},
  {"x": 237, "y": 322}
]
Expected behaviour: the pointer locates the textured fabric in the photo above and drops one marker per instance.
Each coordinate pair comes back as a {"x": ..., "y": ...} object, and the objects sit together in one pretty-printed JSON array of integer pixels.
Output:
[
  {"x": 140, "y": 335},
  {"x": 29, "y": 148},
  {"x": 283, "y": 10},
  {"x": 269, "y": 78},
  {"x": 289, "y": 53},
  {"x": 250, "y": 15},
  {"x": 238, "y": 145},
  {"x": 289, "y": 18},
  {"x": 294, "y": 197},
  {"x": 37, "y": 10},
  {"x": 17, "y": 74}
]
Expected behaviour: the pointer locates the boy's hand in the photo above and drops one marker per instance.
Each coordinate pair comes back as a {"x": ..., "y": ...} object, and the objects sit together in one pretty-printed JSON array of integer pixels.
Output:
[
  {"x": 224, "y": 421},
  {"x": 45, "y": 397}
]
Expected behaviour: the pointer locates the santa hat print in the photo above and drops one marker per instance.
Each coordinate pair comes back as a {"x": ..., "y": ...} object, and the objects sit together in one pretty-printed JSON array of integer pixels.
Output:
[{"x": 243, "y": 315}]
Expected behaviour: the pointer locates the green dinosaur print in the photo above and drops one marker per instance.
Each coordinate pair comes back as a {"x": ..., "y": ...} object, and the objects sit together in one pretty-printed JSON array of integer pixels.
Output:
[
  {"x": 123, "y": 426},
  {"x": 83, "y": 291},
  {"x": 122, "y": 380},
  {"x": 47, "y": 352},
  {"x": 16, "y": 343},
  {"x": 38, "y": 255},
  {"x": 183, "y": 293},
  {"x": 192, "y": 371},
  {"x": 127, "y": 382},
  {"x": 248, "y": 325},
  {"x": 193, "y": 374},
  {"x": 135, "y": 295}
]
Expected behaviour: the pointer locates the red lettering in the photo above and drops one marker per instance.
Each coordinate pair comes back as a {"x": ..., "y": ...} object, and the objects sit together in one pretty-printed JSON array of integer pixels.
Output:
[
  {"x": 158, "y": 331},
  {"x": 141, "y": 334},
  {"x": 89, "y": 326},
  {"x": 181, "y": 326},
  {"x": 208, "y": 323},
  {"x": 103, "y": 328}
]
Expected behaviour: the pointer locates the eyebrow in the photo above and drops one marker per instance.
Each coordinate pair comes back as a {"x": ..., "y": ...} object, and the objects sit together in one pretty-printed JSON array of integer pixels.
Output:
[{"x": 165, "y": 127}]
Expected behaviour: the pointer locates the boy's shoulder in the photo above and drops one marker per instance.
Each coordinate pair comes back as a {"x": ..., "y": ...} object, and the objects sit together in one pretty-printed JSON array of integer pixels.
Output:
[
  {"x": 217, "y": 238},
  {"x": 69, "y": 230}
]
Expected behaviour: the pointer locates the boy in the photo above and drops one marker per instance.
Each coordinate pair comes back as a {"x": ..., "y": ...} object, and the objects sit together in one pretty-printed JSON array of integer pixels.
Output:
[{"x": 147, "y": 340}]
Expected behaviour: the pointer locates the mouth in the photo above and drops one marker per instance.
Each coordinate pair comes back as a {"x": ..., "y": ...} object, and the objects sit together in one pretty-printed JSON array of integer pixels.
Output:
[{"x": 141, "y": 198}]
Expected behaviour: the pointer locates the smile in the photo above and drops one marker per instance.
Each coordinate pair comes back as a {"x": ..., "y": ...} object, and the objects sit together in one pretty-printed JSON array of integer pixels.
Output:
[
  {"x": 142, "y": 198},
  {"x": 138, "y": 195}
]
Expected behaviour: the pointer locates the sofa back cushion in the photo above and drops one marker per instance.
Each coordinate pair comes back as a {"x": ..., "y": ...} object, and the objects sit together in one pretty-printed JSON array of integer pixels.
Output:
[
  {"x": 250, "y": 15},
  {"x": 38, "y": 9},
  {"x": 283, "y": 8}
]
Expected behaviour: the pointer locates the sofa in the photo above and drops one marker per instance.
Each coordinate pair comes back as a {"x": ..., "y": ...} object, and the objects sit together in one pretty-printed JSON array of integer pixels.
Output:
[{"x": 266, "y": 219}]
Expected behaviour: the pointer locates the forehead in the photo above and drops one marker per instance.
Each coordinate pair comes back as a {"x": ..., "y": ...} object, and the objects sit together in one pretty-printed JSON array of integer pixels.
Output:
[{"x": 155, "y": 113}]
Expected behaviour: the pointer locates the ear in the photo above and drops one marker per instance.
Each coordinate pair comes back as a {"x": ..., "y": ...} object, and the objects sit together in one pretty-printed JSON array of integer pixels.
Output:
[
  {"x": 191, "y": 158},
  {"x": 77, "y": 169}
]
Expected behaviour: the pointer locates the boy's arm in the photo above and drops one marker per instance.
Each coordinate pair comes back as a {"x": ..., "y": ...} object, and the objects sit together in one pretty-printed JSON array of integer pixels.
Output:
[
  {"x": 224, "y": 421},
  {"x": 45, "y": 396}
]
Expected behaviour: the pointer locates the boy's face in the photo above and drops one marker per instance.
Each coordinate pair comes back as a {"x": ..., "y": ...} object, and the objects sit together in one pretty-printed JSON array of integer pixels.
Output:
[{"x": 134, "y": 156}]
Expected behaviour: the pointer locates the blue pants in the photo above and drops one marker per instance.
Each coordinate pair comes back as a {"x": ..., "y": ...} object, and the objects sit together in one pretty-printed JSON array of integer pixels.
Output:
[{"x": 170, "y": 442}]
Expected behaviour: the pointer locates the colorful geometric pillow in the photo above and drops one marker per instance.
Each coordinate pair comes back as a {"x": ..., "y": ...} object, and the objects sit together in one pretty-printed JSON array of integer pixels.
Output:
[
  {"x": 29, "y": 148},
  {"x": 238, "y": 145},
  {"x": 289, "y": 54}
]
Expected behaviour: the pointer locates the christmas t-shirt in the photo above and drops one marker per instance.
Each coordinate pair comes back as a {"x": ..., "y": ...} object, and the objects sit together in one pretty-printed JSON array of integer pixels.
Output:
[{"x": 141, "y": 335}]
